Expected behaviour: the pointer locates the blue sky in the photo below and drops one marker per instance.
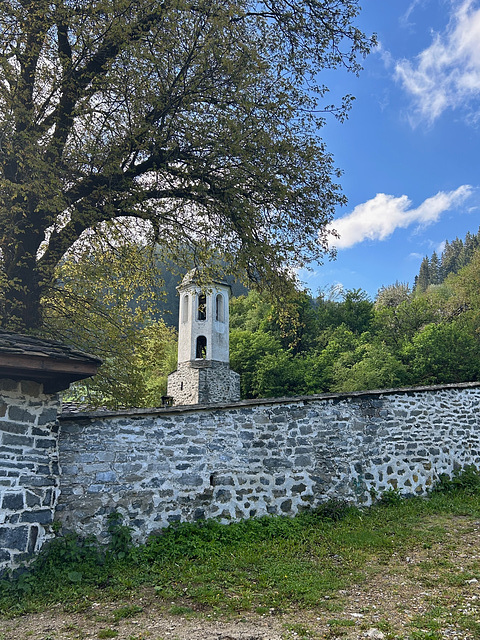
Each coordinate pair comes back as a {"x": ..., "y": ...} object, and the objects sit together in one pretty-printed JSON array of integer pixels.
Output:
[{"x": 410, "y": 150}]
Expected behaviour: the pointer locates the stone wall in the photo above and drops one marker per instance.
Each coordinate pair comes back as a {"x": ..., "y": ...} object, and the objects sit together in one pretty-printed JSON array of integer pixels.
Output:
[
  {"x": 203, "y": 382},
  {"x": 29, "y": 473},
  {"x": 261, "y": 457}
]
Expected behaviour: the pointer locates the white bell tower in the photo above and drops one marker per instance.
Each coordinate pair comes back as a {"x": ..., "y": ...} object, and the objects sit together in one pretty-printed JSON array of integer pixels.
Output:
[{"x": 203, "y": 373}]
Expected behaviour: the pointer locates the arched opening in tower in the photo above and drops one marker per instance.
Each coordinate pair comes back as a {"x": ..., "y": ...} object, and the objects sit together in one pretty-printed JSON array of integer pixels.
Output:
[
  {"x": 202, "y": 307},
  {"x": 201, "y": 350},
  {"x": 185, "y": 308},
  {"x": 220, "y": 308}
]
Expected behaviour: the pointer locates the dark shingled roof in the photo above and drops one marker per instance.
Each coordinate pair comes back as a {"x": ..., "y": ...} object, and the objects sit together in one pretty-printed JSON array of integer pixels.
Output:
[
  {"x": 51, "y": 363},
  {"x": 16, "y": 343}
]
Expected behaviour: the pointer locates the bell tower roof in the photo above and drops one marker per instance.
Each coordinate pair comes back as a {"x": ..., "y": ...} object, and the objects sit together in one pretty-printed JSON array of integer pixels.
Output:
[{"x": 194, "y": 277}]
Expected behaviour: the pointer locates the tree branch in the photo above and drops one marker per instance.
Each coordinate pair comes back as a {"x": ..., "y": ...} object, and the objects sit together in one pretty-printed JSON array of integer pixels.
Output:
[{"x": 76, "y": 82}]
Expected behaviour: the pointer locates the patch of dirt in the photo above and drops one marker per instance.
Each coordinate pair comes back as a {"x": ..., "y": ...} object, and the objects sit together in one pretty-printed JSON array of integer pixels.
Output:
[
  {"x": 151, "y": 624},
  {"x": 430, "y": 594}
]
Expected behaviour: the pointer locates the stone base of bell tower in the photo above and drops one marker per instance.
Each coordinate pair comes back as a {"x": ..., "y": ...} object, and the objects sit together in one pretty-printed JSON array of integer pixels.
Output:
[{"x": 203, "y": 382}]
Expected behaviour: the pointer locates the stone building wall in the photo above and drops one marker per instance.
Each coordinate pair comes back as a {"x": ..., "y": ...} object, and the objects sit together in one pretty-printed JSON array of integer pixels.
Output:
[
  {"x": 183, "y": 384},
  {"x": 261, "y": 457},
  {"x": 203, "y": 382},
  {"x": 29, "y": 471}
]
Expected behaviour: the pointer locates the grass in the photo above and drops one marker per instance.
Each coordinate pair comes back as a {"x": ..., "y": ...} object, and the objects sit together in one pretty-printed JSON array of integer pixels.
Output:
[
  {"x": 107, "y": 633},
  {"x": 127, "y": 611},
  {"x": 299, "y": 632},
  {"x": 270, "y": 563}
]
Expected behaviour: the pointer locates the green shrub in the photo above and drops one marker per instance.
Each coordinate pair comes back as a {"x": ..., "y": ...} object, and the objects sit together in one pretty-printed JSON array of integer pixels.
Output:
[
  {"x": 391, "y": 496},
  {"x": 334, "y": 509},
  {"x": 68, "y": 549},
  {"x": 120, "y": 536},
  {"x": 466, "y": 479}
]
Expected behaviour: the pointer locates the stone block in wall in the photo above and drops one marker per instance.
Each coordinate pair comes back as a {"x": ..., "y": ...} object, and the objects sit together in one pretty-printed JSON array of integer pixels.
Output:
[
  {"x": 13, "y": 501},
  {"x": 14, "y": 540}
]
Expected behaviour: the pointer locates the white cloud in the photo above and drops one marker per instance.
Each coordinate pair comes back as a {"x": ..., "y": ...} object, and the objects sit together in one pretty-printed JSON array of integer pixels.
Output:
[
  {"x": 446, "y": 75},
  {"x": 405, "y": 19},
  {"x": 378, "y": 218}
]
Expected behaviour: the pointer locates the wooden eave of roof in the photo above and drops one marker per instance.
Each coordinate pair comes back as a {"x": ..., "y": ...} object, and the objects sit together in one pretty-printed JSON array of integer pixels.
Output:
[
  {"x": 56, "y": 374},
  {"x": 47, "y": 362}
]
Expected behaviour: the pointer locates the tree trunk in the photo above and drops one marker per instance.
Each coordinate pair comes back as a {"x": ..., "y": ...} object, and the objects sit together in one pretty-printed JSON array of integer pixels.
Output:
[{"x": 20, "y": 309}]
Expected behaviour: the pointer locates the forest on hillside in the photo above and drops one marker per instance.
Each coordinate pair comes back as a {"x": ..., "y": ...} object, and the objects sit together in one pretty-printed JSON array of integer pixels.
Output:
[
  {"x": 300, "y": 344},
  {"x": 454, "y": 256}
]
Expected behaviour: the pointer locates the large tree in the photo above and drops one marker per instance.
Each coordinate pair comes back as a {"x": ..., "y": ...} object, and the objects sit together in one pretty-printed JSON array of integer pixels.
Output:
[{"x": 198, "y": 117}]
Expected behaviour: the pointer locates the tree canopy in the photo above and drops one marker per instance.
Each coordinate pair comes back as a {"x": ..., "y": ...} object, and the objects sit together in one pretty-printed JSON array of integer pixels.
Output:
[
  {"x": 405, "y": 338},
  {"x": 198, "y": 119}
]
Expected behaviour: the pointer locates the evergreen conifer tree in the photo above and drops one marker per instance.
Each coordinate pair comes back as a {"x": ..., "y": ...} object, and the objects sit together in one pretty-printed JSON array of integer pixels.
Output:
[
  {"x": 423, "y": 276},
  {"x": 434, "y": 269}
]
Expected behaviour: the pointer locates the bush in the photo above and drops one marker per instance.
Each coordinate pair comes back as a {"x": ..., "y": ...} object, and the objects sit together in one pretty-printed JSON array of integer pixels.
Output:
[
  {"x": 466, "y": 479},
  {"x": 391, "y": 496},
  {"x": 334, "y": 509}
]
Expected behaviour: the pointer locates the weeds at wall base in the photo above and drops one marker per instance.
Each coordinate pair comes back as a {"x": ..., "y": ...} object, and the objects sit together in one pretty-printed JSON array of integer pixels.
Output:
[
  {"x": 465, "y": 479},
  {"x": 265, "y": 563}
]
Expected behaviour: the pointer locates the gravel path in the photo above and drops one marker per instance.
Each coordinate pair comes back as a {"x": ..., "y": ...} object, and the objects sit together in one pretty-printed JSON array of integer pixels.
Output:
[{"x": 431, "y": 594}]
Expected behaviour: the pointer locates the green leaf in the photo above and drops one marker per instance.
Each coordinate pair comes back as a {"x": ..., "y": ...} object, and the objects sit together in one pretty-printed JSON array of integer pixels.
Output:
[{"x": 75, "y": 576}]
